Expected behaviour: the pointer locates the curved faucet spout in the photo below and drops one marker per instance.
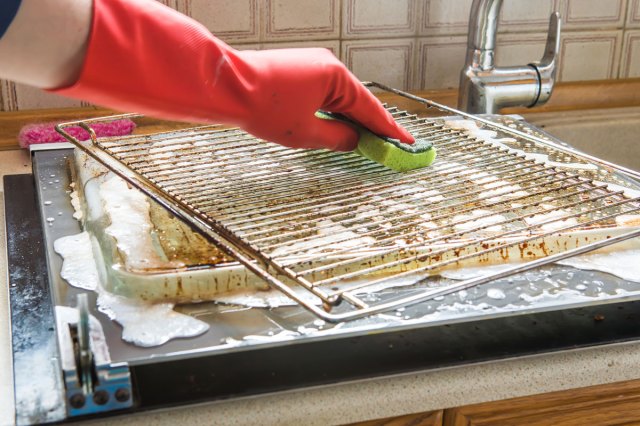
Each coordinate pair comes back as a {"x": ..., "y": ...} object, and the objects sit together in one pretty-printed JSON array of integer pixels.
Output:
[
  {"x": 485, "y": 88},
  {"x": 482, "y": 32}
]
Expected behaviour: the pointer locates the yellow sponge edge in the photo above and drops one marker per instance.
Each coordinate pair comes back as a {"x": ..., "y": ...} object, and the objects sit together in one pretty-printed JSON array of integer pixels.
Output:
[
  {"x": 394, "y": 155},
  {"x": 389, "y": 152}
]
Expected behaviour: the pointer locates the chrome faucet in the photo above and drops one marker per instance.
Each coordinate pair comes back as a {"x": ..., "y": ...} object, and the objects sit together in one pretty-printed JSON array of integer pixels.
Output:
[{"x": 485, "y": 88}]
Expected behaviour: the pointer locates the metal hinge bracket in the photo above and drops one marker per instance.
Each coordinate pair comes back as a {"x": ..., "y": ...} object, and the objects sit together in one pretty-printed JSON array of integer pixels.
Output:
[{"x": 93, "y": 383}]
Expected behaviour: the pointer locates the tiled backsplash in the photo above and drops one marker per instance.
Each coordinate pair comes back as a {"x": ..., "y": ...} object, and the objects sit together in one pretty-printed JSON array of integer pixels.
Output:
[{"x": 411, "y": 44}]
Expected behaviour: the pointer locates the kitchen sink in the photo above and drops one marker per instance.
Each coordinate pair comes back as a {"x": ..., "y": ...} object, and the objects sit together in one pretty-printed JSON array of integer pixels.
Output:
[{"x": 611, "y": 134}]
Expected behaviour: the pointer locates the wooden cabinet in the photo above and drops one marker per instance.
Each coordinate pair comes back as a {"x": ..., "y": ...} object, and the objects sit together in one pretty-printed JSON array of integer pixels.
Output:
[
  {"x": 614, "y": 404},
  {"x": 432, "y": 418}
]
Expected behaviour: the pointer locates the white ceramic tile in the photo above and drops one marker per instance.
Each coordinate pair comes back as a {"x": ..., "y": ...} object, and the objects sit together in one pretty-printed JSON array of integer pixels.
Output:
[
  {"x": 230, "y": 20},
  {"x": 519, "y": 49},
  {"x": 302, "y": 20},
  {"x": 630, "y": 62},
  {"x": 633, "y": 14},
  {"x": 445, "y": 17},
  {"x": 8, "y": 98},
  {"x": 442, "y": 58},
  {"x": 376, "y": 18},
  {"x": 589, "y": 55},
  {"x": 332, "y": 45},
  {"x": 440, "y": 61},
  {"x": 246, "y": 46},
  {"x": 452, "y": 16},
  {"x": 526, "y": 15},
  {"x": 16, "y": 97},
  {"x": 596, "y": 14},
  {"x": 28, "y": 97},
  {"x": 174, "y": 4},
  {"x": 387, "y": 61}
]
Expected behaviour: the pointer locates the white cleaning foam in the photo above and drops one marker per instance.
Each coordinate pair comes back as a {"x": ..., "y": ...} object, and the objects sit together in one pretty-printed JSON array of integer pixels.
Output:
[
  {"x": 144, "y": 324},
  {"x": 490, "y": 136}
]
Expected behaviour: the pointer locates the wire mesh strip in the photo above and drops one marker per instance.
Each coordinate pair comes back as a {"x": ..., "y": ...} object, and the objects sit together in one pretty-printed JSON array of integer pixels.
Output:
[{"x": 338, "y": 224}]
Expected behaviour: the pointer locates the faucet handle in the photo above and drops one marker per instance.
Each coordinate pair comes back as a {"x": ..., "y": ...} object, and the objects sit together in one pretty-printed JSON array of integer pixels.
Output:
[
  {"x": 547, "y": 66},
  {"x": 553, "y": 40}
]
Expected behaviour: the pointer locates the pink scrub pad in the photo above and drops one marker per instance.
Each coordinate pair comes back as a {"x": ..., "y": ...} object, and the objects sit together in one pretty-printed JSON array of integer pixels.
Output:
[{"x": 45, "y": 132}]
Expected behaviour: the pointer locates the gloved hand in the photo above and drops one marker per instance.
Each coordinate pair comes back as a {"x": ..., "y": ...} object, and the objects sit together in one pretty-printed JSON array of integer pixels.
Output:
[{"x": 145, "y": 57}]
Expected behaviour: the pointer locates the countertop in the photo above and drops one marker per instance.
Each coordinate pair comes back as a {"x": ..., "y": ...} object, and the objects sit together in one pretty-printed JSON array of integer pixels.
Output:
[{"x": 363, "y": 400}]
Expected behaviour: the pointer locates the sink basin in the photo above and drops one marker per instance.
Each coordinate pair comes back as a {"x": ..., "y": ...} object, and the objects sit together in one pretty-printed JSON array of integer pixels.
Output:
[{"x": 611, "y": 134}]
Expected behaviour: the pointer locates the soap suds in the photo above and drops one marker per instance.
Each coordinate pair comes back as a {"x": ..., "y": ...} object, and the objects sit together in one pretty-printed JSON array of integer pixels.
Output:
[
  {"x": 468, "y": 221},
  {"x": 489, "y": 136},
  {"x": 75, "y": 203},
  {"x": 38, "y": 396},
  {"x": 624, "y": 263},
  {"x": 631, "y": 193},
  {"x": 148, "y": 324},
  {"x": 330, "y": 236},
  {"x": 496, "y": 293},
  {"x": 144, "y": 324},
  {"x": 78, "y": 268},
  {"x": 128, "y": 211},
  {"x": 555, "y": 216}
]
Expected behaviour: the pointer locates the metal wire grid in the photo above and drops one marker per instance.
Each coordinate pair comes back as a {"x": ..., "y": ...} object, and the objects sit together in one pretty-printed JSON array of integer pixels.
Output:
[{"x": 337, "y": 224}]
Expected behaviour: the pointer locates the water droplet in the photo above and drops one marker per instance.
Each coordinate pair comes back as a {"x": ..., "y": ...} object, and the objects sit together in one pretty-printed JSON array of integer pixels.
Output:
[
  {"x": 581, "y": 287},
  {"x": 50, "y": 219},
  {"x": 47, "y": 203},
  {"x": 59, "y": 213},
  {"x": 52, "y": 175}
]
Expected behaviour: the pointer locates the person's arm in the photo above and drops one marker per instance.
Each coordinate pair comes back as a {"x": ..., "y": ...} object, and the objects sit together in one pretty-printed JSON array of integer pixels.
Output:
[
  {"x": 143, "y": 56},
  {"x": 45, "y": 43}
]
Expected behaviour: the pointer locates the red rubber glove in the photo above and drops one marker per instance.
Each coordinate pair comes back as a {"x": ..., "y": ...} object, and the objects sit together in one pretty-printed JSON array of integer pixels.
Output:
[{"x": 146, "y": 57}]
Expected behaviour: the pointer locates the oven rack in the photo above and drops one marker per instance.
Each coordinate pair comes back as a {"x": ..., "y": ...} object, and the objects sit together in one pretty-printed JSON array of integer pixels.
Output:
[{"x": 338, "y": 225}]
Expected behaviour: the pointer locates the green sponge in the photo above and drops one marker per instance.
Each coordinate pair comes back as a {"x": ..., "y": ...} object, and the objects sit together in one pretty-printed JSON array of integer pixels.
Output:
[
  {"x": 389, "y": 152},
  {"x": 395, "y": 155}
]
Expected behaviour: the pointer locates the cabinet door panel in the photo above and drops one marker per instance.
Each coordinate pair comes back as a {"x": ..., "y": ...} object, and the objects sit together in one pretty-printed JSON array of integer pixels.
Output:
[
  {"x": 432, "y": 418},
  {"x": 614, "y": 404}
]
